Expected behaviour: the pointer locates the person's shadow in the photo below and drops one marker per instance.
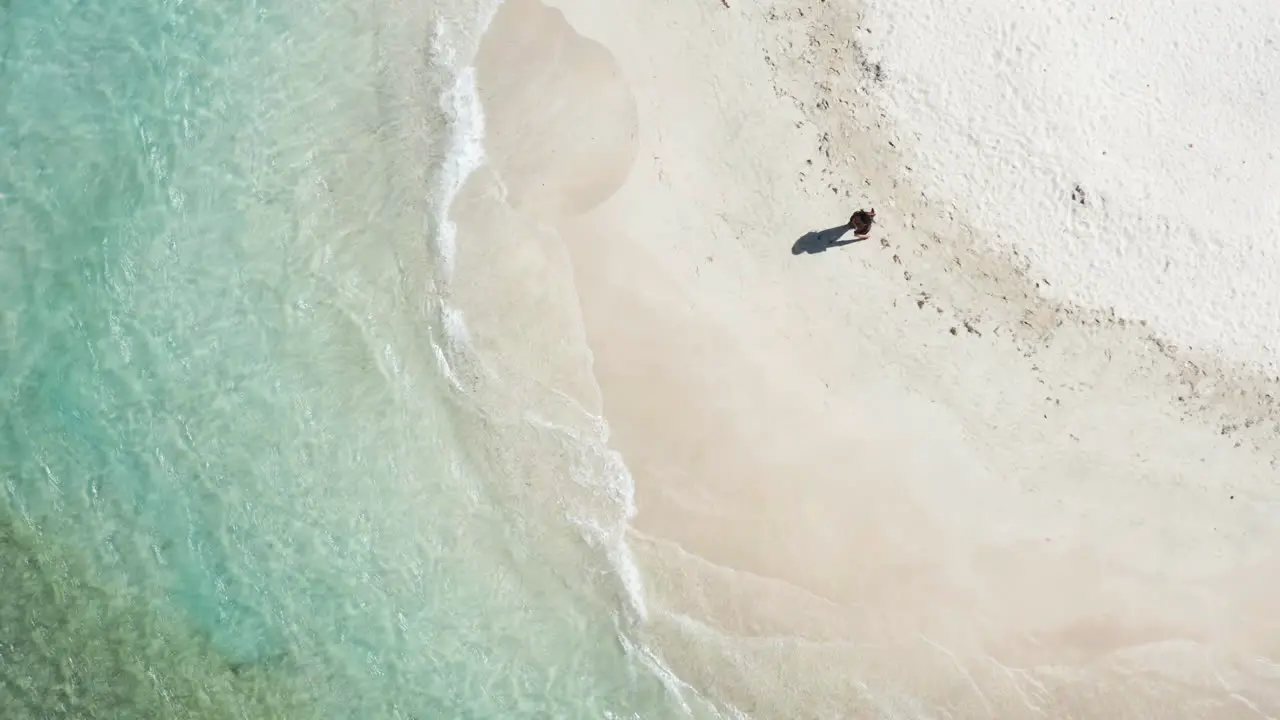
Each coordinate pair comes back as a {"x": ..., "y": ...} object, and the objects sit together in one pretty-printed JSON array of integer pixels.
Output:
[{"x": 820, "y": 240}]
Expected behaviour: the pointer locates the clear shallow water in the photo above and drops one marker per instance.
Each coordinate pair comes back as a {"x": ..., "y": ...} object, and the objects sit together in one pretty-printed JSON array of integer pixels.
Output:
[{"x": 237, "y": 481}]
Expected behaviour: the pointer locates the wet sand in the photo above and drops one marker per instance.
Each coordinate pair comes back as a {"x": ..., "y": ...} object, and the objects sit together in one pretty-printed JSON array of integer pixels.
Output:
[{"x": 887, "y": 477}]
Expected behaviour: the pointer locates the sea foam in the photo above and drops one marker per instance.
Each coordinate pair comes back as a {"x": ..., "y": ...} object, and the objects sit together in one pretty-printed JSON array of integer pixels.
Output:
[{"x": 603, "y": 513}]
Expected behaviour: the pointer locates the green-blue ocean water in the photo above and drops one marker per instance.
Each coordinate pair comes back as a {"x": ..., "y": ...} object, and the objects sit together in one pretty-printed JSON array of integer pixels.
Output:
[{"x": 232, "y": 481}]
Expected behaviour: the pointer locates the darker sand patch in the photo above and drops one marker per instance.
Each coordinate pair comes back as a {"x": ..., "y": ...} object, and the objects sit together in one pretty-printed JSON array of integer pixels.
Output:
[{"x": 561, "y": 122}]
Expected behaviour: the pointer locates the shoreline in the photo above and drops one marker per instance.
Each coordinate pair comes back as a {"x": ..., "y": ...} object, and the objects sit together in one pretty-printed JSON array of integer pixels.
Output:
[{"x": 897, "y": 458}]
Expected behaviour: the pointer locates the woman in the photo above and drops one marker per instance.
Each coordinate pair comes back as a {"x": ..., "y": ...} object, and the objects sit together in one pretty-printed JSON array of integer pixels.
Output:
[{"x": 860, "y": 222}]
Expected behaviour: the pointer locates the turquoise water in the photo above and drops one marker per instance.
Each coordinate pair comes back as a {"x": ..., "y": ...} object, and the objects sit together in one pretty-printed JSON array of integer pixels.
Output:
[{"x": 237, "y": 481}]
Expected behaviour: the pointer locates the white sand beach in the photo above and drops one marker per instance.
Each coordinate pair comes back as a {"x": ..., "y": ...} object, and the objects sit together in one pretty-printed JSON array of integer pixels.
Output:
[{"x": 979, "y": 465}]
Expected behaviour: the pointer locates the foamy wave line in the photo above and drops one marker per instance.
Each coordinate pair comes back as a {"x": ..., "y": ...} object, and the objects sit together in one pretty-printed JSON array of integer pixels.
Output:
[
  {"x": 669, "y": 679},
  {"x": 615, "y": 479},
  {"x": 465, "y": 154},
  {"x": 672, "y": 682},
  {"x": 464, "y": 150}
]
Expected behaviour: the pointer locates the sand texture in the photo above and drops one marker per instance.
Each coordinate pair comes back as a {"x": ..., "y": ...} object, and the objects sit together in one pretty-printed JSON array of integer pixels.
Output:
[{"x": 898, "y": 477}]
